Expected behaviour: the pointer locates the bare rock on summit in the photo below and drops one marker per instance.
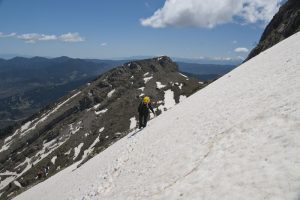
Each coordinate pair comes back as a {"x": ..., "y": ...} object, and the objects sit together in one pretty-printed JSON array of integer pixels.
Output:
[{"x": 284, "y": 24}]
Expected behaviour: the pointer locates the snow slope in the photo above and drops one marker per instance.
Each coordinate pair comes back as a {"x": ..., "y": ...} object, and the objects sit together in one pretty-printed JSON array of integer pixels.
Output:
[{"x": 238, "y": 138}]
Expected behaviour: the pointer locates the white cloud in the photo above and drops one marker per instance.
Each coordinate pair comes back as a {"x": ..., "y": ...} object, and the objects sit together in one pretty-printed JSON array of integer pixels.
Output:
[
  {"x": 208, "y": 14},
  {"x": 104, "y": 44},
  {"x": 2, "y": 35},
  {"x": 71, "y": 37},
  {"x": 29, "y": 37},
  {"x": 34, "y": 37},
  {"x": 259, "y": 10},
  {"x": 222, "y": 58},
  {"x": 241, "y": 50},
  {"x": 48, "y": 37},
  {"x": 11, "y": 35},
  {"x": 234, "y": 42}
]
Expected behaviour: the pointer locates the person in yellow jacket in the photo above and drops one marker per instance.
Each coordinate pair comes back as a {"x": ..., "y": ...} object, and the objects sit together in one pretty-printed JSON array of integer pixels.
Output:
[{"x": 143, "y": 110}]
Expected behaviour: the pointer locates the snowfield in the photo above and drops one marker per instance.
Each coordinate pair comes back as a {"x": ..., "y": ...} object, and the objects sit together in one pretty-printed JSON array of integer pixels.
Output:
[{"x": 238, "y": 138}]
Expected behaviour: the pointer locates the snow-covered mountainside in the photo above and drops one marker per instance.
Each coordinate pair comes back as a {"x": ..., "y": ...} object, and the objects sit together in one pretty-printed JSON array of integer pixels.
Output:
[
  {"x": 238, "y": 138},
  {"x": 87, "y": 121}
]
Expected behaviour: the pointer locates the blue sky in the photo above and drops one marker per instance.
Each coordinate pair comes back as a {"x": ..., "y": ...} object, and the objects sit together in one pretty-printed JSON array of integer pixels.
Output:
[{"x": 219, "y": 29}]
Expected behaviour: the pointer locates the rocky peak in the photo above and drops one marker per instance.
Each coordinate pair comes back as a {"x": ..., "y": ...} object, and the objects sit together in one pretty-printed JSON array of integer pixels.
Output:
[
  {"x": 284, "y": 24},
  {"x": 162, "y": 63}
]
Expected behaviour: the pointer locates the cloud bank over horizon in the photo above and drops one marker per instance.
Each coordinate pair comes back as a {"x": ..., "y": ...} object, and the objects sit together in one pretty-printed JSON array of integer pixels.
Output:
[{"x": 208, "y": 14}]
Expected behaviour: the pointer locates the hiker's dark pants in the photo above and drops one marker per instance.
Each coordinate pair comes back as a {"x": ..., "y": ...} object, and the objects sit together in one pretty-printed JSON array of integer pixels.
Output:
[{"x": 143, "y": 117}]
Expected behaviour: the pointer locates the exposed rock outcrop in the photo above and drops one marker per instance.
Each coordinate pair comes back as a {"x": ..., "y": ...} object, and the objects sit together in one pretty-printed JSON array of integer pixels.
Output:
[{"x": 284, "y": 24}]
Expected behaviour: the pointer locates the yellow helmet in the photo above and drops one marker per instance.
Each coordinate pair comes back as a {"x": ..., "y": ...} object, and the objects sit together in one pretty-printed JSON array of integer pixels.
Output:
[{"x": 146, "y": 99}]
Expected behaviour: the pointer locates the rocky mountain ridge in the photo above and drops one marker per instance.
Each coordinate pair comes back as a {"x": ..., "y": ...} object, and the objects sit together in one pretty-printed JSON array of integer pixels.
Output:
[
  {"x": 88, "y": 120},
  {"x": 284, "y": 24},
  {"x": 29, "y": 84}
]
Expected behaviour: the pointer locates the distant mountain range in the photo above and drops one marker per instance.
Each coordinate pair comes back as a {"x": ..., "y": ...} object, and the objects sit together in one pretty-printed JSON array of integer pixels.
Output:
[
  {"x": 212, "y": 61},
  {"x": 202, "y": 60}
]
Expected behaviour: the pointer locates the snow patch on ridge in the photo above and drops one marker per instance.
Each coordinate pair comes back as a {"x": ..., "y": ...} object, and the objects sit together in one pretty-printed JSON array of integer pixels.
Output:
[
  {"x": 159, "y": 58},
  {"x": 168, "y": 102},
  {"x": 97, "y": 106},
  {"x": 101, "y": 129},
  {"x": 68, "y": 152},
  {"x": 187, "y": 78},
  {"x": 133, "y": 123},
  {"x": 25, "y": 126},
  {"x": 142, "y": 88},
  {"x": 48, "y": 148},
  {"x": 5, "y": 182},
  {"x": 101, "y": 111},
  {"x": 90, "y": 149},
  {"x": 17, "y": 184},
  {"x": 111, "y": 93},
  {"x": 180, "y": 86},
  {"x": 77, "y": 151},
  {"x": 147, "y": 79},
  {"x": 159, "y": 85},
  {"x": 74, "y": 128},
  {"x": 169, "y": 99},
  {"x": 53, "y": 160}
]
